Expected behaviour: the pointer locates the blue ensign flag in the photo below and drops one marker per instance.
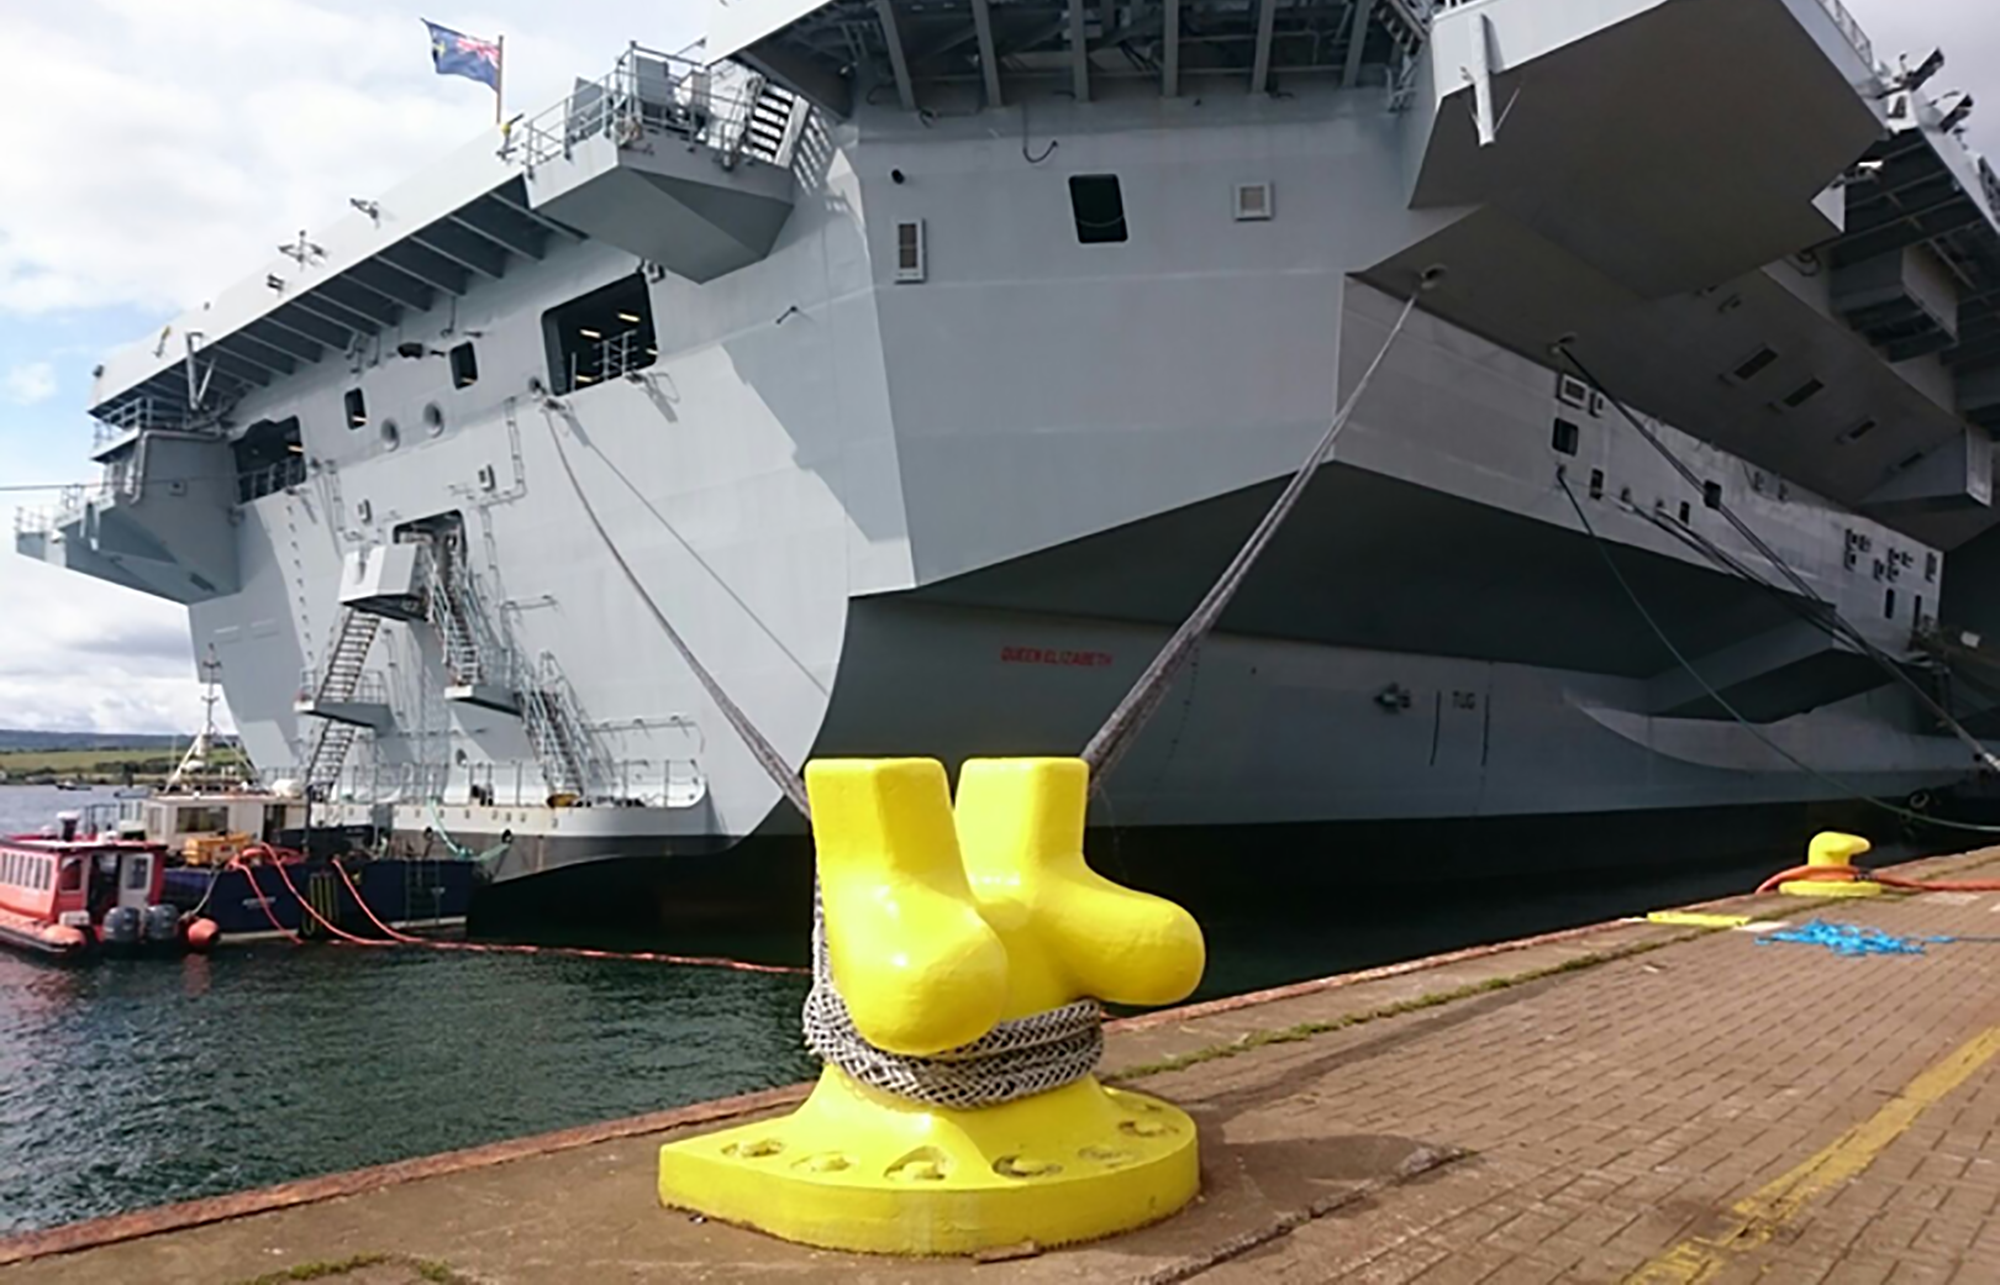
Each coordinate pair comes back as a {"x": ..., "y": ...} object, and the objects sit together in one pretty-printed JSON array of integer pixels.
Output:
[{"x": 454, "y": 53}]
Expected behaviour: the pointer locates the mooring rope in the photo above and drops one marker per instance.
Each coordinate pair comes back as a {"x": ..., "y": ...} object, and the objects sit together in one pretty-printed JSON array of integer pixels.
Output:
[
  {"x": 1042, "y": 1051},
  {"x": 1123, "y": 727}
]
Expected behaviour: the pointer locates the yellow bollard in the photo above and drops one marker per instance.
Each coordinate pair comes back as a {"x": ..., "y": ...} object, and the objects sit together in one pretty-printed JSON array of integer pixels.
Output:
[
  {"x": 937, "y": 928},
  {"x": 1833, "y": 852}
]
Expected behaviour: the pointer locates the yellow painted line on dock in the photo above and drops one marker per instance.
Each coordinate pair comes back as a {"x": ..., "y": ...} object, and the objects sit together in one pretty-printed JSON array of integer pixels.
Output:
[{"x": 1758, "y": 1217}]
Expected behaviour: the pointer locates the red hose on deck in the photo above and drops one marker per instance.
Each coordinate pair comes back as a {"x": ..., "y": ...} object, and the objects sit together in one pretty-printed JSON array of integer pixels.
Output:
[
  {"x": 277, "y": 858},
  {"x": 309, "y": 908},
  {"x": 578, "y": 952},
  {"x": 1820, "y": 874},
  {"x": 1848, "y": 874},
  {"x": 237, "y": 863}
]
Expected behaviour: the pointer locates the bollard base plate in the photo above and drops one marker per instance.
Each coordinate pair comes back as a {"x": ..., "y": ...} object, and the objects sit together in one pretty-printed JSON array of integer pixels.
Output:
[
  {"x": 1830, "y": 888},
  {"x": 861, "y": 1170}
]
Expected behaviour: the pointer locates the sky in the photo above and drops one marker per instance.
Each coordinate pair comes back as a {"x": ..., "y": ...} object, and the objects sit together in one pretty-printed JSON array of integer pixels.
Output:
[{"x": 161, "y": 149}]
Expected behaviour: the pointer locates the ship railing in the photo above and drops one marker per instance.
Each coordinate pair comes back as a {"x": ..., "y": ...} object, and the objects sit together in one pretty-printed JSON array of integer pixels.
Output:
[
  {"x": 654, "y": 783},
  {"x": 661, "y": 782},
  {"x": 135, "y": 415},
  {"x": 255, "y": 484},
  {"x": 369, "y": 689},
  {"x": 610, "y": 358},
  {"x": 71, "y": 501},
  {"x": 1851, "y": 28},
  {"x": 647, "y": 91}
]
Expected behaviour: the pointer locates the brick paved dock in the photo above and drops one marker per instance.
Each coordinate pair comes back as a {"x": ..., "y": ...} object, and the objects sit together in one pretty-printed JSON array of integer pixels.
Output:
[{"x": 1635, "y": 1102}]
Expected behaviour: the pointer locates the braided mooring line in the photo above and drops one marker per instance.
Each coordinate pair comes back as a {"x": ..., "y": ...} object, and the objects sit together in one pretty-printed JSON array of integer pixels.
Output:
[{"x": 1016, "y": 1059}]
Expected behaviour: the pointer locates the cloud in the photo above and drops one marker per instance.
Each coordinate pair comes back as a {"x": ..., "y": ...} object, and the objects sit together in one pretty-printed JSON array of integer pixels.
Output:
[
  {"x": 28, "y": 383},
  {"x": 99, "y": 658},
  {"x": 175, "y": 146}
]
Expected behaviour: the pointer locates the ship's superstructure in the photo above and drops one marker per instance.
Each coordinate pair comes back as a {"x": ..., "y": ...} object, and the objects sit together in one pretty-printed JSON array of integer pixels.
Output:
[{"x": 922, "y": 364}]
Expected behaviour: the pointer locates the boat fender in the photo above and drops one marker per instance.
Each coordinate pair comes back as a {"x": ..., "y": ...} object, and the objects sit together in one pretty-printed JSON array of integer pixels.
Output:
[
  {"x": 120, "y": 926},
  {"x": 64, "y": 938},
  {"x": 161, "y": 925},
  {"x": 202, "y": 933}
]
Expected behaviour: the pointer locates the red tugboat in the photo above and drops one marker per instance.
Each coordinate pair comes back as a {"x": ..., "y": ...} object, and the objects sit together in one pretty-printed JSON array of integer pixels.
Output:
[{"x": 64, "y": 893}]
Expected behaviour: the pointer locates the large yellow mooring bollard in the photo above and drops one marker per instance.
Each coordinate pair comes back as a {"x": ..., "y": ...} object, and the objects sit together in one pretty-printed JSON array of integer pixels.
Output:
[
  {"x": 1833, "y": 853},
  {"x": 959, "y": 947}
]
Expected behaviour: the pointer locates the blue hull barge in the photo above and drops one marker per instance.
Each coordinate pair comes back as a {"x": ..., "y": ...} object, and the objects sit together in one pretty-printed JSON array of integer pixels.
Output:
[{"x": 255, "y": 901}]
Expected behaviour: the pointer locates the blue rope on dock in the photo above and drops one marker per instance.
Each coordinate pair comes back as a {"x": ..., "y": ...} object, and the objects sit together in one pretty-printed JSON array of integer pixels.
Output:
[{"x": 1852, "y": 939}]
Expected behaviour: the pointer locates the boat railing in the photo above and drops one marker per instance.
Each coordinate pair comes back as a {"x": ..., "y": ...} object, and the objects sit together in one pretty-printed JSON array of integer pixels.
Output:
[{"x": 646, "y": 92}]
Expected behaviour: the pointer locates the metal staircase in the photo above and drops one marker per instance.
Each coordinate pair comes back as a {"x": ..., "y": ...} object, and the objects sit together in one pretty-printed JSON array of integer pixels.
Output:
[
  {"x": 339, "y": 681},
  {"x": 475, "y": 662},
  {"x": 569, "y": 761},
  {"x": 768, "y": 127}
]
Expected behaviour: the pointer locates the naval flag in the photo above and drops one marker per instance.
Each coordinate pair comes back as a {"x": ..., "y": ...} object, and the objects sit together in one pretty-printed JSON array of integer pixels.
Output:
[{"x": 454, "y": 53}]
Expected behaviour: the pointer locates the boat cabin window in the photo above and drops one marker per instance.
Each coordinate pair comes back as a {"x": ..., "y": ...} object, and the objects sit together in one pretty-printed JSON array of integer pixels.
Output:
[
  {"x": 137, "y": 871},
  {"x": 1098, "y": 207},
  {"x": 72, "y": 876},
  {"x": 464, "y": 366},
  {"x": 357, "y": 408},
  {"x": 601, "y": 336},
  {"x": 201, "y": 820}
]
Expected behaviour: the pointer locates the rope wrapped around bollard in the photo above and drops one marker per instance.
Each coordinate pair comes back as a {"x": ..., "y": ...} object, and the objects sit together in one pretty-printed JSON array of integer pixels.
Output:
[{"x": 1016, "y": 1059}]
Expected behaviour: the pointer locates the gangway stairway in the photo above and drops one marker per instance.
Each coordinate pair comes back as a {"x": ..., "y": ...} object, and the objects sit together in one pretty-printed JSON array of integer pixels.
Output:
[
  {"x": 556, "y": 730},
  {"x": 482, "y": 668},
  {"x": 474, "y": 661},
  {"x": 767, "y": 130},
  {"x": 334, "y": 698}
]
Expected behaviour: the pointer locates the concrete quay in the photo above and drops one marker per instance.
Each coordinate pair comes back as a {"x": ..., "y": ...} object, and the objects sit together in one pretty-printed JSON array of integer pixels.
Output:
[{"x": 1659, "y": 1103}]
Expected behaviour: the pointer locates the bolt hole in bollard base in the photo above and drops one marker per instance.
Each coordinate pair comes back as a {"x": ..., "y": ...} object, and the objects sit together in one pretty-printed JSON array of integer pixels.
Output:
[
  {"x": 938, "y": 928},
  {"x": 858, "y": 1169}
]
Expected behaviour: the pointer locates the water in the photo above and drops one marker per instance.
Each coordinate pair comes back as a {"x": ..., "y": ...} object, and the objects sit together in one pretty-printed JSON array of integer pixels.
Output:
[{"x": 136, "y": 1082}]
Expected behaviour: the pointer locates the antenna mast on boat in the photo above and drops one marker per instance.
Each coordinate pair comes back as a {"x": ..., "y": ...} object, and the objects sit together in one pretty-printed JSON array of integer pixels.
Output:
[{"x": 196, "y": 758}]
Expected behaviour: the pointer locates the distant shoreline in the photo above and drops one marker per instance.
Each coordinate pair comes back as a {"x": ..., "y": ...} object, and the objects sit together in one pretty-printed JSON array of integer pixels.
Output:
[{"x": 114, "y": 765}]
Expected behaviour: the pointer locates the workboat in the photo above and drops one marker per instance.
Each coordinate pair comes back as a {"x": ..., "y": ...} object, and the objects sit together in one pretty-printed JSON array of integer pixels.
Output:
[
  {"x": 69, "y": 891},
  {"x": 244, "y": 859},
  {"x": 916, "y": 367}
]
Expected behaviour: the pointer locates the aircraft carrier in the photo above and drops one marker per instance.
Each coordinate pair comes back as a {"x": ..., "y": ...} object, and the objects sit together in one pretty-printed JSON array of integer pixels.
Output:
[{"x": 921, "y": 362}]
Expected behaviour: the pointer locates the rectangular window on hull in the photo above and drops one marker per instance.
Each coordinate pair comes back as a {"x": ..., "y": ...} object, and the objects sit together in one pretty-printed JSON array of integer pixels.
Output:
[
  {"x": 1098, "y": 207},
  {"x": 1567, "y": 437},
  {"x": 357, "y": 408},
  {"x": 601, "y": 336},
  {"x": 464, "y": 366}
]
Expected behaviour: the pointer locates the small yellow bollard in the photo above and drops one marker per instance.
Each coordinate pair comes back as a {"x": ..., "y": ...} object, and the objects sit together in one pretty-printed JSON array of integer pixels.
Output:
[
  {"x": 1833, "y": 852},
  {"x": 938, "y": 927}
]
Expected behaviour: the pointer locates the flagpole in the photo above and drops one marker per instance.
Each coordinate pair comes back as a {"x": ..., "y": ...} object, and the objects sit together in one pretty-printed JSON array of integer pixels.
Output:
[{"x": 499, "y": 77}]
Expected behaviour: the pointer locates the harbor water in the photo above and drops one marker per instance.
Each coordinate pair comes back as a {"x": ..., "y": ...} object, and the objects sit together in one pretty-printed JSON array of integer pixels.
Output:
[{"x": 127, "y": 1083}]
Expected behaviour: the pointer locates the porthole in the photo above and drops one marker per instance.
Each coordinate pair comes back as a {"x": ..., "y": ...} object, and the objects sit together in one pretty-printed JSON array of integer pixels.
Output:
[
  {"x": 392, "y": 437},
  {"x": 433, "y": 418}
]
